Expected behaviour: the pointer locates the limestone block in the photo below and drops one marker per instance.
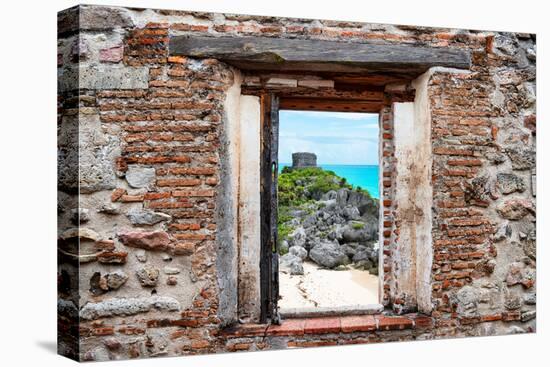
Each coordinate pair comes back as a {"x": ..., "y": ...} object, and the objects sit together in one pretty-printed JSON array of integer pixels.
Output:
[
  {"x": 140, "y": 177},
  {"x": 127, "y": 306}
]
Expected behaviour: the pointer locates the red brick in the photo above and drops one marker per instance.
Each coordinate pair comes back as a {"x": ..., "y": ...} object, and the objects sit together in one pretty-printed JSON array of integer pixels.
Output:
[
  {"x": 238, "y": 346},
  {"x": 200, "y": 344},
  {"x": 179, "y": 182},
  {"x": 495, "y": 317},
  {"x": 156, "y": 195},
  {"x": 189, "y": 193},
  {"x": 185, "y": 226},
  {"x": 131, "y": 330},
  {"x": 393, "y": 323},
  {"x": 191, "y": 236},
  {"x": 183, "y": 248},
  {"x": 169, "y": 205},
  {"x": 131, "y": 198},
  {"x": 117, "y": 194},
  {"x": 103, "y": 331},
  {"x": 422, "y": 322},
  {"x": 452, "y": 151},
  {"x": 245, "y": 330},
  {"x": 287, "y": 328},
  {"x": 321, "y": 325},
  {"x": 192, "y": 171},
  {"x": 177, "y": 59},
  {"x": 358, "y": 323}
]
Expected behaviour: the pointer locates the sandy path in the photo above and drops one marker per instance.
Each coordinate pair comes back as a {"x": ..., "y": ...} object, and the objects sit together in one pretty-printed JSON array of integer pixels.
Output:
[{"x": 327, "y": 288}]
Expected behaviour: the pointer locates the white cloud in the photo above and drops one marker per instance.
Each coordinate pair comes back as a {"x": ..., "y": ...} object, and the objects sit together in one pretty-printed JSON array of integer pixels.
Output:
[{"x": 335, "y": 137}]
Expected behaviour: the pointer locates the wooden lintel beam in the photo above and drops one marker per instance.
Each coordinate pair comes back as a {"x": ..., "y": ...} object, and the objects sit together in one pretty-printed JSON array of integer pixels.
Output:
[
  {"x": 263, "y": 53},
  {"x": 336, "y": 105}
]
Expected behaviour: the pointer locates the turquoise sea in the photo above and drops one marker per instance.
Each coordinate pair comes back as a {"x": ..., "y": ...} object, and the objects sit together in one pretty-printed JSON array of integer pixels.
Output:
[{"x": 365, "y": 176}]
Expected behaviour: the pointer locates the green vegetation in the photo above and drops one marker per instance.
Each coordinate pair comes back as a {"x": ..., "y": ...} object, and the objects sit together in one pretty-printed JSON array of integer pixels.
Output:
[
  {"x": 299, "y": 186},
  {"x": 357, "y": 225}
]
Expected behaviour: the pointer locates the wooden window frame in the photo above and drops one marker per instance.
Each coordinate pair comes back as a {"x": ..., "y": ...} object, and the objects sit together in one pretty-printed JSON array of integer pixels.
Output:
[{"x": 271, "y": 103}]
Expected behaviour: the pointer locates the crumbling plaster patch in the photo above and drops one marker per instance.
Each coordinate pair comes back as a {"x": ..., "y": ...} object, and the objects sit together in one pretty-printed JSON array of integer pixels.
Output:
[
  {"x": 249, "y": 209},
  {"x": 227, "y": 204}
]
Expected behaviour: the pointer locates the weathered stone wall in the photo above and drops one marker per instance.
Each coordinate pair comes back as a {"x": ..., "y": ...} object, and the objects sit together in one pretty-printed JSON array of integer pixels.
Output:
[{"x": 145, "y": 242}]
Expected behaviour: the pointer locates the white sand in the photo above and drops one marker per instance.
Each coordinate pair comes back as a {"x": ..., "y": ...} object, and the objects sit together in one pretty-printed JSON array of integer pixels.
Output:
[{"x": 327, "y": 288}]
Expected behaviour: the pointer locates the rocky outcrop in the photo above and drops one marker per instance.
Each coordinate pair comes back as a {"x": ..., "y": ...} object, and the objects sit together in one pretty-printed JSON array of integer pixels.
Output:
[
  {"x": 338, "y": 230},
  {"x": 328, "y": 254}
]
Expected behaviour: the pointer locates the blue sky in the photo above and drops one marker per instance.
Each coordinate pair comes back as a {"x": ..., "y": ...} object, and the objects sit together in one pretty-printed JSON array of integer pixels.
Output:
[{"x": 336, "y": 137}]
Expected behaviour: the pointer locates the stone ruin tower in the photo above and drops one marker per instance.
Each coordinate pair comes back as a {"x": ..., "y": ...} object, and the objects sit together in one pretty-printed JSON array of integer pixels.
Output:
[{"x": 303, "y": 160}]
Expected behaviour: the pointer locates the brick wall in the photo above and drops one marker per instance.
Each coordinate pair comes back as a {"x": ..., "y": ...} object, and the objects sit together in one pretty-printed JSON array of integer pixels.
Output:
[{"x": 138, "y": 226}]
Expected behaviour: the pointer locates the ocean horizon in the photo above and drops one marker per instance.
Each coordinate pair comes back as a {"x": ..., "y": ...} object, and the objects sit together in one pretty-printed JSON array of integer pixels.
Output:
[{"x": 364, "y": 176}]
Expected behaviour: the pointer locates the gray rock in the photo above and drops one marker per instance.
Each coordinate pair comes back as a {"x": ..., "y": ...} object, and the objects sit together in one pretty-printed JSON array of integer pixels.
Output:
[
  {"x": 342, "y": 197},
  {"x": 146, "y": 217},
  {"x": 351, "y": 212},
  {"x": 297, "y": 268},
  {"x": 330, "y": 195},
  {"x": 294, "y": 222},
  {"x": 297, "y": 237},
  {"x": 512, "y": 302},
  {"x": 112, "y": 343},
  {"x": 80, "y": 215},
  {"x": 297, "y": 213},
  {"x": 530, "y": 244},
  {"x": 140, "y": 177},
  {"x": 127, "y": 306},
  {"x": 362, "y": 253},
  {"x": 293, "y": 263},
  {"x": 328, "y": 254},
  {"x": 516, "y": 209},
  {"x": 98, "y": 18},
  {"x": 515, "y": 330},
  {"x": 480, "y": 189},
  {"x": 116, "y": 279},
  {"x": 148, "y": 276},
  {"x": 509, "y": 183},
  {"x": 283, "y": 247},
  {"x": 97, "y": 154},
  {"x": 67, "y": 308},
  {"x": 111, "y": 77},
  {"x": 298, "y": 251},
  {"x": 141, "y": 255},
  {"x": 530, "y": 298},
  {"x": 528, "y": 315},
  {"x": 466, "y": 299},
  {"x": 505, "y": 44},
  {"x": 109, "y": 208},
  {"x": 496, "y": 157},
  {"x": 363, "y": 234},
  {"x": 363, "y": 203},
  {"x": 363, "y": 265},
  {"x": 350, "y": 248},
  {"x": 171, "y": 270},
  {"x": 98, "y": 354},
  {"x": 503, "y": 232},
  {"x": 309, "y": 221},
  {"x": 522, "y": 157}
]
